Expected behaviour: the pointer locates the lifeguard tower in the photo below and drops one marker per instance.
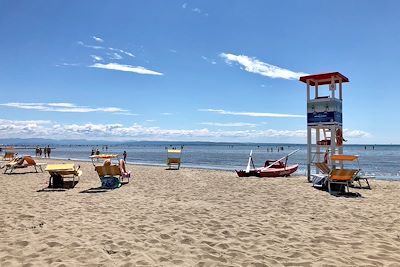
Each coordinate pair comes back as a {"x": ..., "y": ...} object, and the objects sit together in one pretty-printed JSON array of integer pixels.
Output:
[{"x": 324, "y": 117}]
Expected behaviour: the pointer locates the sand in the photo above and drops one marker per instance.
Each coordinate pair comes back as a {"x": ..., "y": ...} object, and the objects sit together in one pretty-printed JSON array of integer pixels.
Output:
[{"x": 195, "y": 217}]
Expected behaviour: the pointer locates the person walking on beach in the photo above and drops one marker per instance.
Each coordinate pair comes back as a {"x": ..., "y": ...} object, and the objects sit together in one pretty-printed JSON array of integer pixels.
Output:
[
  {"x": 125, "y": 155},
  {"x": 48, "y": 151}
]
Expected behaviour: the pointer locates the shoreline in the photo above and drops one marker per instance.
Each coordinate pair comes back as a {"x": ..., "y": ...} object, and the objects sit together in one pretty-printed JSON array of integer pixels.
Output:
[{"x": 297, "y": 174}]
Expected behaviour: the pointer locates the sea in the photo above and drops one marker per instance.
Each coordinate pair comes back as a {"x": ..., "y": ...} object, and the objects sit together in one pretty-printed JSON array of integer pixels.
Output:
[{"x": 381, "y": 161}]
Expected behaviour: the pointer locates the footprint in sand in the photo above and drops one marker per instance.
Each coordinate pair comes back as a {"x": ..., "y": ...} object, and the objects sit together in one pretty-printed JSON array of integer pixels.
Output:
[
  {"x": 165, "y": 236},
  {"x": 22, "y": 243},
  {"x": 54, "y": 244}
]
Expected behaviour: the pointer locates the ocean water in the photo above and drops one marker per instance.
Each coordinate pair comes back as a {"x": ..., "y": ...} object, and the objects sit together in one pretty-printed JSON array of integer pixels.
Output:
[{"x": 383, "y": 161}]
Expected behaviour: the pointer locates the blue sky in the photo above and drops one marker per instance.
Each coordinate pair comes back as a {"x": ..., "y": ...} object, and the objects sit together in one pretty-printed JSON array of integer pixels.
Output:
[{"x": 194, "y": 70}]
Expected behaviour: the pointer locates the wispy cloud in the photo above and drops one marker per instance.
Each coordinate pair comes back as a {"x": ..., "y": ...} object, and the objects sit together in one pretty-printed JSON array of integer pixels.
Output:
[
  {"x": 265, "y": 69},
  {"x": 97, "y": 58},
  {"x": 114, "y": 55},
  {"x": 232, "y": 124},
  {"x": 127, "y": 68},
  {"x": 252, "y": 114},
  {"x": 150, "y": 120},
  {"x": 173, "y": 51},
  {"x": 122, "y": 51},
  {"x": 212, "y": 61},
  {"x": 65, "y": 107},
  {"x": 98, "y": 39},
  {"x": 195, "y": 9},
  {"x": 90, "y": 46},
  {"x": 67, "y": 64},
  {"x": 166, "y": 114}
]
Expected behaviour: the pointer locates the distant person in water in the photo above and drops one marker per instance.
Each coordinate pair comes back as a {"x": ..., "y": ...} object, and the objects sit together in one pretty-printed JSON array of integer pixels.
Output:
[
  {"x": 48, "y": 151},
  {"x": 125, "y": 155},
  {"x": 92, "y": 153},
  {"x": 97, "y": 152}
]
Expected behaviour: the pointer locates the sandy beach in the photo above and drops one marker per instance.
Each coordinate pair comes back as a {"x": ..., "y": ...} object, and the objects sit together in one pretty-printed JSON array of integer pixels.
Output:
[{"x": 193, "y": 217}]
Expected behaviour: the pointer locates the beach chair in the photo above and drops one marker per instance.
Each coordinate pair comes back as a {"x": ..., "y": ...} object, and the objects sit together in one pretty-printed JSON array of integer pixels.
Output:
[
  {"x": 60, "y": 172},
  {"x": 23, "y": 162},
  {"x": 341, "y": 176},
  {"x": 111, "y": 176},
  {"x": 325, "y": 170},
  {"x": 174, "y": 159},
  {"x": 8, "y": 156}
]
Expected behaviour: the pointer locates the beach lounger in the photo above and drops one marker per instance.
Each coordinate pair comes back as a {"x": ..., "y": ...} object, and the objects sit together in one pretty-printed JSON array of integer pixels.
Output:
[
  {"x": 8, "y": 156},
  {"x": 174, "y": 158},
  {"x": 111, "y": 176},
  {"x": 59, "y": 172},
  {"x": 325, "y": 170},
  {"x": 24, "y": 162},
  {"x": 341, "y": 176}
]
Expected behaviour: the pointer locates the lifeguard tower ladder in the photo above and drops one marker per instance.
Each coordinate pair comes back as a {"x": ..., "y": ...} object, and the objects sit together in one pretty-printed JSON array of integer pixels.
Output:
[{"x": 324, "y": 118}]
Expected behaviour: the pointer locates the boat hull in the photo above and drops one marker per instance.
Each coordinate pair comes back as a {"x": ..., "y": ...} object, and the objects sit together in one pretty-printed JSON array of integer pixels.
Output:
[{"x": 271, "y": 172}]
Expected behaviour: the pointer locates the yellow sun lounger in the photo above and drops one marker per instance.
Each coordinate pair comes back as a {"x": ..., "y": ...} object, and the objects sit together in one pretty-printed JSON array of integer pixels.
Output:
[
  {"x": 174, "y": 158},
  {"x": 58, "y": 172}
]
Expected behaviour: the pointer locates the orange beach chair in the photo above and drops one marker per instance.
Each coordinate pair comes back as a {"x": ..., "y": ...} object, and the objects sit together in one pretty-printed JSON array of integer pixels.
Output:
[{"x": 23, "y": 162}]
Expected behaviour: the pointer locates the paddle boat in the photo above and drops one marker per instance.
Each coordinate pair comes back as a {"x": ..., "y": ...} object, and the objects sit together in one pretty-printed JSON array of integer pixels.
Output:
[{"x": 272, "y": 168}]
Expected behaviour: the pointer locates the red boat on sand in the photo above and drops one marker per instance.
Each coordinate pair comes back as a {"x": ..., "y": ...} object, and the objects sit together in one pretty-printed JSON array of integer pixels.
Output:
[{"x": 272, "y": 168}]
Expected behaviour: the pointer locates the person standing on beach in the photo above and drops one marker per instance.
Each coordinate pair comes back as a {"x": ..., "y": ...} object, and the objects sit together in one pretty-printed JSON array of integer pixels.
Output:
[
  {"x": 45, "y": 151},
  {"x": 48, "y": 151},
  {"x": 125, "y": 155},
  {"x": 92, "y": 153},
  {"x": 97, "y": 152}
]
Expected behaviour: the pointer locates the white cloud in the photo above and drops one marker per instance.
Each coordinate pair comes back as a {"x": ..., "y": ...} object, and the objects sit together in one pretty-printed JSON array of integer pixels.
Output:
[
  {"x": 116, "y": 131},
  {"x": 127, "y": 68},
  {"x": 97, "y": 58},
  {"x": 65, "y": 107},
  {"x": 121, "y": 51},
  {"x": 355, "y": 134},
  {"x": 150, "y": 120},
  {"x": 166, "y": 113},
  {"x": 114, "y": 55},
  {"x": 98, "y": 39},
  {"x": 212, "y": 61},
  {"x": 184, "y": 5},
  {"x": 252, "y": 114},
  {"x": 255, "y": 66},
  {"x": 173, "y": 51},
  {"x": 67, "y": 64},
  {"x": 232, "y": 124},
  {"x": 197, "y": 10},
  {"x": 90, "y": 46}
]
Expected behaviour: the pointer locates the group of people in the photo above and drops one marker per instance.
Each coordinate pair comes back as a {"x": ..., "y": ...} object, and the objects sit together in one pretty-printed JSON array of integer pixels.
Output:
[{"x": 46, "y": 151}]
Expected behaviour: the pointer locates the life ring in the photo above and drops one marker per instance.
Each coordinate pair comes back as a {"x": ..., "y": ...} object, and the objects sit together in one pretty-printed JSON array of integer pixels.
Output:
[{"x": 339, "y": 137}]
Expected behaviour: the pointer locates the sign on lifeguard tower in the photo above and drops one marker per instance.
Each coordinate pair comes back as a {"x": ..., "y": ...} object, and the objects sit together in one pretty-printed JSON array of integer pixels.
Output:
[{"x": 324, "y": 109}]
